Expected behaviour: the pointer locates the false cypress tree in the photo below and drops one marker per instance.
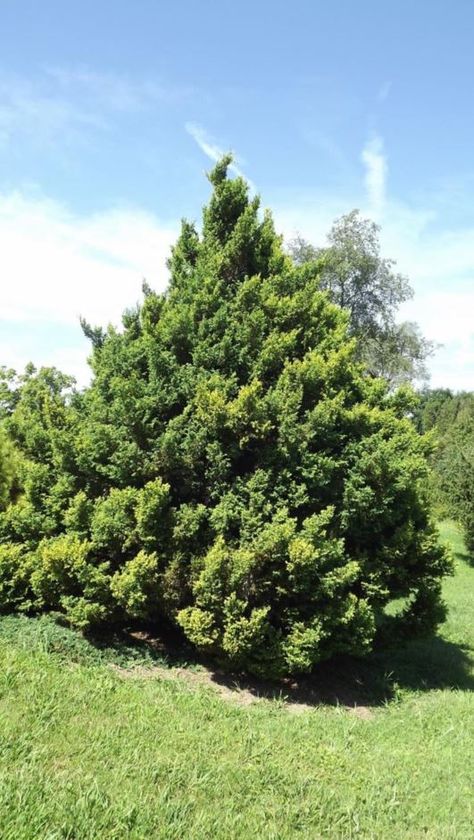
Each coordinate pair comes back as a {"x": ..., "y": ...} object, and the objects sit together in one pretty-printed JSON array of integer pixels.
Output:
[{"x": 235, "y": 470}]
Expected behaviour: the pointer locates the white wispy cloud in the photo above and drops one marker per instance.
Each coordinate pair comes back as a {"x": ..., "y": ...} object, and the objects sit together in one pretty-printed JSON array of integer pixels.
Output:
[
  {"x": 446, "y": 316},
  {"x": 57, "y": 266},
  {"x": 375, "y": 162},
  {"x": 213, "y": 150},
  {"x": 41, "y": 116},
  {"x": 440, "y": 264}
]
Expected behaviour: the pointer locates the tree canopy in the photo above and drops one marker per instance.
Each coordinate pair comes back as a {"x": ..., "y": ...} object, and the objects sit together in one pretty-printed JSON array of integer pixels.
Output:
[
  {"x": 232, "y": 468},
  {"x": 451, "y": 418},
  {"x": 366, "y": 284}
]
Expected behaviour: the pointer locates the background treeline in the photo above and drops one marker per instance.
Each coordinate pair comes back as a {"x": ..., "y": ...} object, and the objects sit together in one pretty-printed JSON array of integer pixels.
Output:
[
  {"x": 450, "y": 418},
  {"x": 243, "y": 464}
]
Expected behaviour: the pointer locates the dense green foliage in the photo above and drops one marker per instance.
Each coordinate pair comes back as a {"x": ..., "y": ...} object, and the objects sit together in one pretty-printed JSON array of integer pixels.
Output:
[
  {"x": 451, "y": 417},
  {"x": 91, "y": 752},
  {"x": 357, "y": 278},
  {"x": 232, "y": 467},
  {"x": 8, "y": 469}
]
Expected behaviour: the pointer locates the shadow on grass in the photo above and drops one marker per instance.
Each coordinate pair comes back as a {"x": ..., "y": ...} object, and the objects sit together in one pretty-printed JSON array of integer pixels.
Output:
[
  {"x": 422, "y": 665},
  {"x": 375, "y": 680},
  {"x": 465, "y": 557},
  {"x": 451, "y": 535}
]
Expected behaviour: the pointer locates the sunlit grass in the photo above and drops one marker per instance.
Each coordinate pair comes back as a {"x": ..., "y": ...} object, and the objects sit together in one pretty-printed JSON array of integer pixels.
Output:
[{"x": 87, "y": 753}]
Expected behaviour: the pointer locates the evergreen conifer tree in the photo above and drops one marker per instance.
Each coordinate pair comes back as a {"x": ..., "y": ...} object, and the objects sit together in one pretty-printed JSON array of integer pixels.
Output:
[{"x": 232, "y": 468}]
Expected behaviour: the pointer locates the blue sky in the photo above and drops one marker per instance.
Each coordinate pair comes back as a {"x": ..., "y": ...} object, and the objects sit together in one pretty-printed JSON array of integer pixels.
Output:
[{"x": 110, "y": 111}]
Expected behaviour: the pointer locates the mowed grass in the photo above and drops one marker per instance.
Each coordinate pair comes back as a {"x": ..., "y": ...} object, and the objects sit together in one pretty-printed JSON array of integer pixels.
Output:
[{"x": 88, "y": 753}]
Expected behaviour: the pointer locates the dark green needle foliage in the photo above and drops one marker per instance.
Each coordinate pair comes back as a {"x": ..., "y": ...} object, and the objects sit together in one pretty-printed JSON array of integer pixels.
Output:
[
  {"x": 231, "y": 467},
  {"x": 451, "y": 418}
]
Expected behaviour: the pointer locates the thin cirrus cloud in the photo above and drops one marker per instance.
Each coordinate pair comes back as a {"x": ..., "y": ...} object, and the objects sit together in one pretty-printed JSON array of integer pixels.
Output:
[{"x": 214, "y": 151}]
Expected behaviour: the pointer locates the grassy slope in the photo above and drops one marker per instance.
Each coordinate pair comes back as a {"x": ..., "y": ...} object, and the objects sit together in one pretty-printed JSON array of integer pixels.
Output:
[{"x": 85, "y": 753}]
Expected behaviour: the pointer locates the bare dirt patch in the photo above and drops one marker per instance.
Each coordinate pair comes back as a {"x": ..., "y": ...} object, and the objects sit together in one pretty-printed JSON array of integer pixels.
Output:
[
  {"x": 193, "y": 678},
  {"x": 295, "y": 696}
]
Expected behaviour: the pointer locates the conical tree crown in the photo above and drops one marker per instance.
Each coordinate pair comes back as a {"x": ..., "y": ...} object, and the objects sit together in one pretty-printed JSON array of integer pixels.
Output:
[{"x": 235, "y": 470}]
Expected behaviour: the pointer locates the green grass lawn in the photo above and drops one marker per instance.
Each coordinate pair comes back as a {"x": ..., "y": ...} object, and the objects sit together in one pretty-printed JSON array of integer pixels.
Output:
[{"x": 87, "y": 751}]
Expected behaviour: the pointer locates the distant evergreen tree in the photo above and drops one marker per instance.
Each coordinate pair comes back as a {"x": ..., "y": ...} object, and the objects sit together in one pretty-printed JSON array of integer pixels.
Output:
[{"x": 451, "y": 418}]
